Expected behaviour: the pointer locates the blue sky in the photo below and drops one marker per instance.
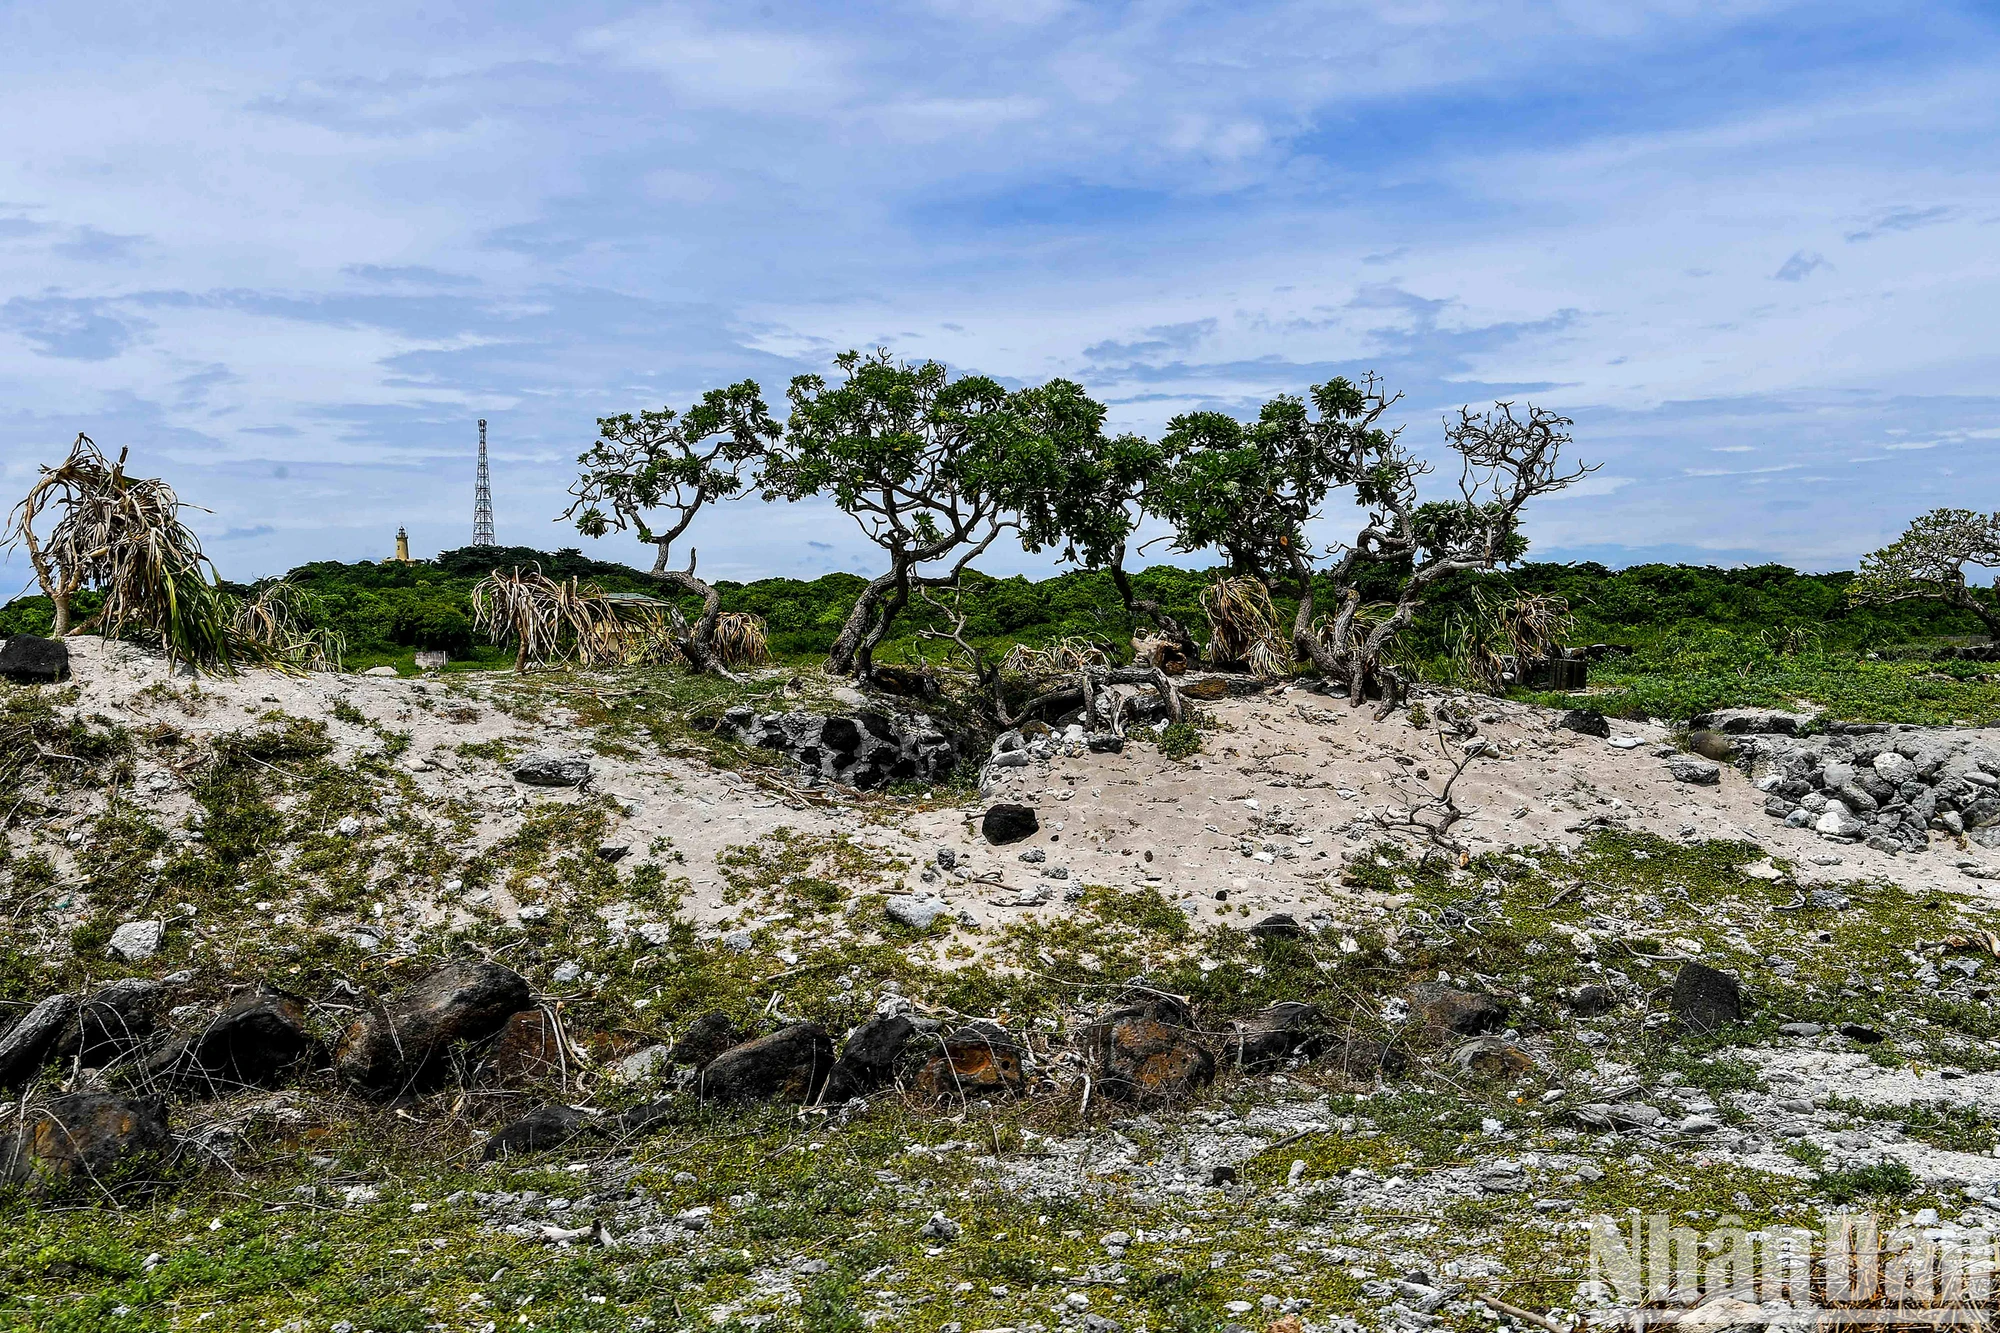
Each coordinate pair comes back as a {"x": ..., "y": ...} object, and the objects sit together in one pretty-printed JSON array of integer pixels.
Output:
[{"x": 287, "y": 256}]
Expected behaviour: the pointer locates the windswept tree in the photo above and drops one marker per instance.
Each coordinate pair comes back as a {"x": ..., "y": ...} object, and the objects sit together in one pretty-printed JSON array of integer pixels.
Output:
[
  {"x": 1250, "y": 489},
  {"x": 933, "y": 468},
  {"x": 653, "y": 473},
  {"x": 1093, "y": 507},
  {"x": 1929, "y": 561}
]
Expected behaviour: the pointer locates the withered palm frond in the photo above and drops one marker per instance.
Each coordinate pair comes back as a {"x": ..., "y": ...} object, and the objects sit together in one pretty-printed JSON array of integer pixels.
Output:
[
  {"x": 741, "y": 640},
  {"x": 550, "y": 622},
  {"x": 283, "y": 626},
  {"x": 1071, "y": 653},
  {"x": 1243, "y": 627},
  {"x": 123, "y": 535}
]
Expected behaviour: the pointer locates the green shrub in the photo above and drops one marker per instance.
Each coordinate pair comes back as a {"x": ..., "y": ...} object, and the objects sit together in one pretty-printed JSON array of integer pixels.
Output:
[{"x": 1180, "y": 741}]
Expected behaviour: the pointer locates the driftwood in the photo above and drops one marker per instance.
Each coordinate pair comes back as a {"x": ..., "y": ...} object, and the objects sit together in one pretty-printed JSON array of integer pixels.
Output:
[{"x": 1089, "y": 679}]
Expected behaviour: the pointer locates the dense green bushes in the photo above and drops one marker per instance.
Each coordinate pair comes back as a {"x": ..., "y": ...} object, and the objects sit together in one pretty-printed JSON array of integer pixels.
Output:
[{"x": 1702, "y": 637}]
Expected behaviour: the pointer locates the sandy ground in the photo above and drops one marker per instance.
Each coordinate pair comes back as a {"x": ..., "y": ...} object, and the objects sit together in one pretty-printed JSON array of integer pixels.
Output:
[{"x": 1288, "y": 787}]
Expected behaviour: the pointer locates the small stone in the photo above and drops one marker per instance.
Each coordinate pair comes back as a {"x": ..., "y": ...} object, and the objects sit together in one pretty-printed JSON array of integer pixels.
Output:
[
  {"x": 1034, "y": 856},
  {"x": 380, "y": 671},
  {"x": 939, "y": 1227},
  {"x": 914, "y": 912},
  {"x": 348, "y": 826},
  {"x": 1706, "y": 999},
  {"x": 136, "y": 941},
  {"x": 1837, "y": 823},
  {"x": 1801, "y": 1029},
  {"x": 641, "y": 1065},
  {"x": 613, "y": 851},
  {"x": 565, "y": 973},
  {"x": 1700, "y": 1124},
  {"x": 553, "y": 770},
  {"x": 1691, "y": 769},
  {"x": 1585, "y": 722}
]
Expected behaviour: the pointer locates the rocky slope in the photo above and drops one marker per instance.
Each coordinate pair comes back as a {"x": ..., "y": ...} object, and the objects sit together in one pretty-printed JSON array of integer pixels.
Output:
[{"x": 475, "y": 1002}]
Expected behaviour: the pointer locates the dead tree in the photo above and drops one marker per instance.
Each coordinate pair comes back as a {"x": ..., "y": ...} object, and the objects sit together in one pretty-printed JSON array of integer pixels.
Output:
[
  {"x": 1505, "y": 460},
  {"x": 990, "y": 679}
]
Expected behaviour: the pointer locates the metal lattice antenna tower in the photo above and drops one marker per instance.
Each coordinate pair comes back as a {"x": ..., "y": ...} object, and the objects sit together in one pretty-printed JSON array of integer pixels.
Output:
[{"x": 482, "y": 498}]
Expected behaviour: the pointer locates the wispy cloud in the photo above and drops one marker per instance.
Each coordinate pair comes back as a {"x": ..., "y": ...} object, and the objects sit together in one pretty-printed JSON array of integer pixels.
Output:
[
  {"x": 290, "y": 257},
  {"x": 1802, "y": 265},
  {"x": 1902, "y": 219}
]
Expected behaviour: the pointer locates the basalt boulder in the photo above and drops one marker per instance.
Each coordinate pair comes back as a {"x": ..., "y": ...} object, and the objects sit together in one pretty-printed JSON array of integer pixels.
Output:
[
  {"x": 865, "y": 750},
  {"x": 707, "y": 1037},
  {"x": 29, "y": 1043},
  {"x": 113, "y": 1021},
  {"x": 869, "y": 1057},
  {"x": 406, "y": 1043},
  {"x": 1146, "y": 1051},
  {"x": 1705, "y": 998},
  {"x": 790, "y": 1065},
  {"x": 85, "y": 1137},
  {"x": 253, "y": 1042},
  {"x": 977, "y": 1059},
  {"x": 27, "y": 659}
]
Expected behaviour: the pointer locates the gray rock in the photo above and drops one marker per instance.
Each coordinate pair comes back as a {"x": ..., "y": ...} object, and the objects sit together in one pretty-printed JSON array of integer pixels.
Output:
[
  {"x": 914, "y": 912},
  {"x": 641, "y": 1065},
  {"x": 1690, "y": 768},
  {"x": 1755, "y": 721},
  {"x": 1801, "y": 1029},
  {"x": 1837, "y": 823},
  {"x": 553, "y": 770},
  {"x": 940, "y": 1227},
  {"x": 28, "y": 1043},
  {"x": 1894, "y": 767},
  {"x": 865, "y": 750},
  {"x": 136, "y": 941}
]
